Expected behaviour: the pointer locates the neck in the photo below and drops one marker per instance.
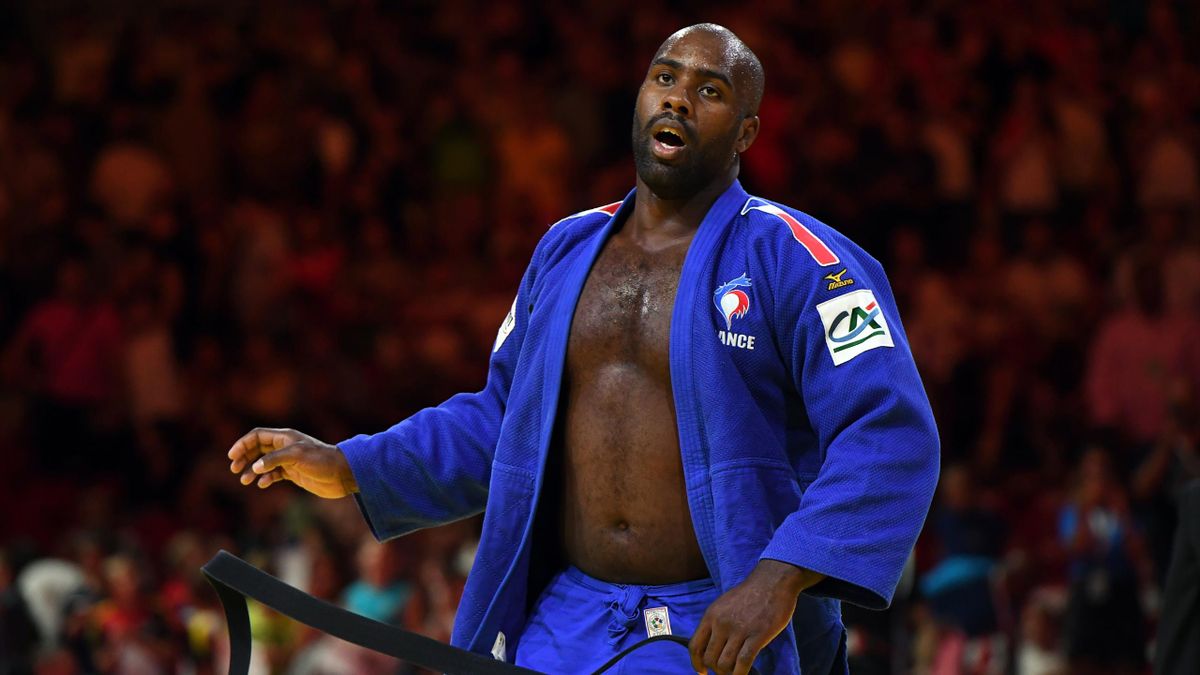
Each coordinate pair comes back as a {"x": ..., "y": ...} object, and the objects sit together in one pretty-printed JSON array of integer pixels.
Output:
[{"x": 655, "y": 215}]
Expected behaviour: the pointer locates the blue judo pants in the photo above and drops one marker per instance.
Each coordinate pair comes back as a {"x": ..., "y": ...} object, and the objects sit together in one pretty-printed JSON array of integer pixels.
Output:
[{"x": 579, "y": 623}]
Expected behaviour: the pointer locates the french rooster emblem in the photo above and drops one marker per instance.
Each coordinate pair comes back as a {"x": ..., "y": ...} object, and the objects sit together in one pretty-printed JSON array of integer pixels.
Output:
[{"x": 732, "y": 301}]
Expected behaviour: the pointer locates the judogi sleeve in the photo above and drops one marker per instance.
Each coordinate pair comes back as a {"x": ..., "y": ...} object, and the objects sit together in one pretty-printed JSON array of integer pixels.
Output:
[
  {"x": 849, "y": 358},
  {"x": 434, "y": 467}
]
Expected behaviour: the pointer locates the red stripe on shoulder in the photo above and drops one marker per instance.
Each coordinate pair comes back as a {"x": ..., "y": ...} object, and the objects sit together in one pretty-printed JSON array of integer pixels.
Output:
[
  {"x": 608, "y": 209},
  {"x": 817, "y": 248},
  {"x": 811, "y": 242}
]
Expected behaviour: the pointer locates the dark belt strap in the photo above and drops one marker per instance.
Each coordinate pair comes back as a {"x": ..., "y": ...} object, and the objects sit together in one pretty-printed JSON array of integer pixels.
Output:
[
  {"x": 235, "y": 580},
  {"x": 658, "y": 638}
]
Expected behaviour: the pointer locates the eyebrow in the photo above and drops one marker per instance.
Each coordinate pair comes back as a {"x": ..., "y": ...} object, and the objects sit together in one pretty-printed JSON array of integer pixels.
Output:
[{"x": 677, "y": 65}]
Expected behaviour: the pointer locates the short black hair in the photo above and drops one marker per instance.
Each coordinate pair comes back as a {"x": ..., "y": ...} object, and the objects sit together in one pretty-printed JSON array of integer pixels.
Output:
[{"x": 747, "y": 69}]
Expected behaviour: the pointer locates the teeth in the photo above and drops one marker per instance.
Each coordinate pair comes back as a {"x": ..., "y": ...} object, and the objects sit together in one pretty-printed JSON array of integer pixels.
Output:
[{"x": 669, "y": 133}]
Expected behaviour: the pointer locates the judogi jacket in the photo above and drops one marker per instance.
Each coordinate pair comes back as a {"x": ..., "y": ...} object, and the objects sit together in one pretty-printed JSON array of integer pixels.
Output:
[{"x": 805, "y": 432}]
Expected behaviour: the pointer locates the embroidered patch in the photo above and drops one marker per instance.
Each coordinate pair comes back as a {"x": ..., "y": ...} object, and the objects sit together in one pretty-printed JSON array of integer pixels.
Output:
[
  {"x": 836, "y": 281},
  {"x": 658, "y": 622},
  {"x": 854, "y": 323},
  {"x": 498, "y": 649},
  {"x": 731, "y": 301},
  {"x": 510, "y": 322}
]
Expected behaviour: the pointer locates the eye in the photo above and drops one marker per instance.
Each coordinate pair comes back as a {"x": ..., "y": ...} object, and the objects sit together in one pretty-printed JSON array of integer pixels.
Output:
[
  {"x": 710, "y": 91},
  {"x": 664, "y": 78}
]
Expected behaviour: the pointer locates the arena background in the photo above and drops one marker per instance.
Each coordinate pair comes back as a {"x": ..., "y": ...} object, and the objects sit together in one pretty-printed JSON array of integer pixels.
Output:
[{"x": 218, "y": 215}]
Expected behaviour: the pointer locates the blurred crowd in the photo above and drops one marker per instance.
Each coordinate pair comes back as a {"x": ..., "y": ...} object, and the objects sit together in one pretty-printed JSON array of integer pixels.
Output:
[{"x": 215, "y": 216}]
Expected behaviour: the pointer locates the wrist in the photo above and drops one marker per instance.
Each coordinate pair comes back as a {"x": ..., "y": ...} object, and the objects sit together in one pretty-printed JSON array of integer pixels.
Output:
[
  {"x": 787, "y": 576},
  {"x": 349, "y": 483}
]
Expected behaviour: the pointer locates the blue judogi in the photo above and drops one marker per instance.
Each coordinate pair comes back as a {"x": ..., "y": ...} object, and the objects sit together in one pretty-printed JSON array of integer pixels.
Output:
[
  {"x": 579, "y": 623},
  {"x": 805, "y": 432}
]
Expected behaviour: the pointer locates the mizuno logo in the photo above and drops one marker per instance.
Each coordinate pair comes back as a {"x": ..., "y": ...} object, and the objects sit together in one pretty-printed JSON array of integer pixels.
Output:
[{"x": 836, "y": 281}]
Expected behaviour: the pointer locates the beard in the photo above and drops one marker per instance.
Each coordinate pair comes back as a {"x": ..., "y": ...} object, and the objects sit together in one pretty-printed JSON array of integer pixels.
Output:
[{"x": 699, "y": 167}]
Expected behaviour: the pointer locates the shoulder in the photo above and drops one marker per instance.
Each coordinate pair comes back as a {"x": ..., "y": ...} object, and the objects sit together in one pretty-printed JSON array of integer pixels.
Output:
[
  {"x": 565, "y": 235},
  {"x": 790, "y": 227},
  {"x": 599, "y": 213},
  {"x": 802, "y": 246},
  {"x": 584, "y": 223}
]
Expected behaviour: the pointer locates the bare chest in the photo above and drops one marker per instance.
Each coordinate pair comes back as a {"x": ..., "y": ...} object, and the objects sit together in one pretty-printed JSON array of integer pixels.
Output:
[{"x": 624, "y": 311}]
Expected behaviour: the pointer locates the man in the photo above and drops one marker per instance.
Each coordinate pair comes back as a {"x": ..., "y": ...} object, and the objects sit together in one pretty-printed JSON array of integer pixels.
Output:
[
  {"x": 1179, "y": 626},
  {"x": 701, "y": 418}
]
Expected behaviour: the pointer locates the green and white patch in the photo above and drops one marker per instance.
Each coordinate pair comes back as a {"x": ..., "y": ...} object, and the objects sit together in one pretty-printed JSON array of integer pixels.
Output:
[{"x": 854, "y": 323}]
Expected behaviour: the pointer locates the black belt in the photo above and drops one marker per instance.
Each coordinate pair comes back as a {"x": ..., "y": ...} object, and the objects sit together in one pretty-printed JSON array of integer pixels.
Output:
[{"x": 235, "y": 580}]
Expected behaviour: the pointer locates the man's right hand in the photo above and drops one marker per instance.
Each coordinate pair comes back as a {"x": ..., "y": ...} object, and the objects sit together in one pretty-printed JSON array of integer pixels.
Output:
[{"x": 273, "y": 455}]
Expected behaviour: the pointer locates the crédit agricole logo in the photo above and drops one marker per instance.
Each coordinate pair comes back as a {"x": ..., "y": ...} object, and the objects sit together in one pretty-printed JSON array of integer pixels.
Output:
[{"x": 854, "y": 323}]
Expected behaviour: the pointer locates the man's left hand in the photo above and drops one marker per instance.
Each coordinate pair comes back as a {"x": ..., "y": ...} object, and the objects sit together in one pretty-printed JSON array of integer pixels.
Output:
[{"x": 747, "y": 617}]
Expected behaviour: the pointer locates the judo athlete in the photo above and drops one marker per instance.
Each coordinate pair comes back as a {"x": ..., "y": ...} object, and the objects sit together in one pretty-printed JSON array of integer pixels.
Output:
[{"x": 701, "y": 418}]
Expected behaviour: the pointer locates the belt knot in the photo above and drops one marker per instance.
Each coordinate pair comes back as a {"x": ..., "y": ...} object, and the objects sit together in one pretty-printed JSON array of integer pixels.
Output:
[{"x": 624, "y": 609}]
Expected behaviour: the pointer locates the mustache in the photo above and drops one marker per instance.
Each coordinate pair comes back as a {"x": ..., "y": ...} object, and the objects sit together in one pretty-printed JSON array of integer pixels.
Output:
[{"x": 687, "y": 127}]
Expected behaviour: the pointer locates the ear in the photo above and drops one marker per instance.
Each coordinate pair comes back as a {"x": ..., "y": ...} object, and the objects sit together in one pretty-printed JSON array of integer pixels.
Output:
[{"x": 746, "y": 136}]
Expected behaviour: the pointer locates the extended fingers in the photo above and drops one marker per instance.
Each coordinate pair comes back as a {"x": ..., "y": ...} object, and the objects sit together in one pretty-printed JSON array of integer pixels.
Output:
[
  {"x": 254, "y": 444},
  {"x": 277, "y": 458},
  {"x": 274, "y": 438},
  {"x": 270, "y": 478},
  {"x": 239, "y": 452}
]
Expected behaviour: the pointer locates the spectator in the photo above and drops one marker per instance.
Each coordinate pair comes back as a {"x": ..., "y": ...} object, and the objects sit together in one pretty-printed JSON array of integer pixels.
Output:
[
  {"x": 151, "y": 370},
  {"x": 129, "y": 182},
  {"x": 1139, "y": 355},
  {"x": 66, "y": 352},
  {"x": 961, "y": 587},
  {"x": 1047, "y": 288},
  {"x": 1040, "y": 651},
  {"x": 1024, "y": 155},
  {"x": 1108, "y": 568},
  {"x": 132, "y": 633},
  {"x": 377, "y": 593},
  {"x": 18, "y": 634},
  {"x": 1167, "y": 243},
  {"x": 1169, "y": 176}
]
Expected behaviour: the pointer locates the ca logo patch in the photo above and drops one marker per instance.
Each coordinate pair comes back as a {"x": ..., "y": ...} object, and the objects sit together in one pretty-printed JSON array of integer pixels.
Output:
[{"x": 854, "y": 323}]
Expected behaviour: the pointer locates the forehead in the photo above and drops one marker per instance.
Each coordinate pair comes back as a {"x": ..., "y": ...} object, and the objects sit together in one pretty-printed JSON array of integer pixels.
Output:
[{"x": 700, "y": 50}]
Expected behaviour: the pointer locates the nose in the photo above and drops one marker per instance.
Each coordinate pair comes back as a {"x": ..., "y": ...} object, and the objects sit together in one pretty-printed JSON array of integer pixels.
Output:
[{"x": 677, "y": 102}]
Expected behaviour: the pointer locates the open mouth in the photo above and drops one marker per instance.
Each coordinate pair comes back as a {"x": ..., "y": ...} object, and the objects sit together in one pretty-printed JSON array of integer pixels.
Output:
[
  {"x": 668, "y": 142},
  {"x": 669, "y": 138}
]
